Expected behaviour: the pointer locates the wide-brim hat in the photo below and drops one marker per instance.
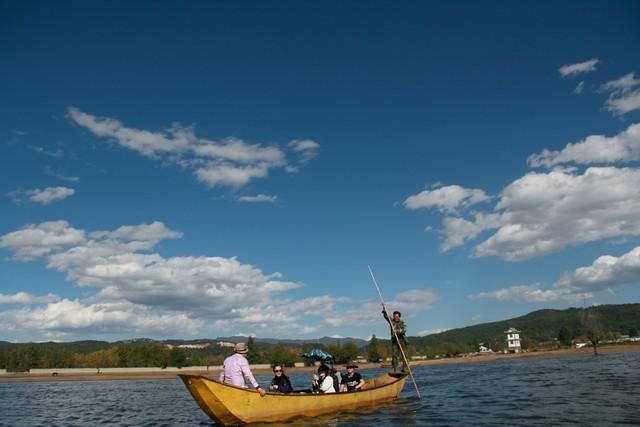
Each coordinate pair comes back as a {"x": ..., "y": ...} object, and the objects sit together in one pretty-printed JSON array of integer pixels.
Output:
[
  {"x": 351, "y": 365},
  {"x": 241, "y": 348}
]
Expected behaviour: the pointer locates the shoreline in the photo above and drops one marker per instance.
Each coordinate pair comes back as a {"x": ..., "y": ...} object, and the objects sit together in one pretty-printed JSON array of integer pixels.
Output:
[{"x": 122, "y": 373}]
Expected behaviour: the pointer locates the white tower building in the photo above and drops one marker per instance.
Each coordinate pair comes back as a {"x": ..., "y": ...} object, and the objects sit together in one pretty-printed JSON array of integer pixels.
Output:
[{"x": 513, "y": 340}]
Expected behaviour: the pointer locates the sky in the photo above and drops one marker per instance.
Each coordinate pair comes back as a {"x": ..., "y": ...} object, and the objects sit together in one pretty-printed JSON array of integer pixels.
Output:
[{"x": 205, "y": 169}]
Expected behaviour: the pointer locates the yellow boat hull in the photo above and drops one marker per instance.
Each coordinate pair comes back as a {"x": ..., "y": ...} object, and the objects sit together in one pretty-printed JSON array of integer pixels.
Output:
[{"x": 231, "y": 405}]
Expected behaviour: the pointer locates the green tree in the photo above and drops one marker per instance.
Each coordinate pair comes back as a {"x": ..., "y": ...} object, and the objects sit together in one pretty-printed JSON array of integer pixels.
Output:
[
  {"x": 373, "y": 351},
  {"x": 564, "y": 336},
  {"x": 255, "y": 355},
  {"x": 281, "y": 355},
  {"x": 212, "y": 360},
  {"x": 100, "y": 359},
  {"x": 343, "y": 353},
  {"x": 57, "y": 358},
  {"x": 177, "y": 357},
  {"x": 633, "y": 331},
  {"x": 22, "y": 358}
]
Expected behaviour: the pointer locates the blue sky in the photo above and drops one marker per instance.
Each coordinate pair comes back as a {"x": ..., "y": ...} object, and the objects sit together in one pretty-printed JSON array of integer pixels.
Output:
[{"x": 233, "y": 167}]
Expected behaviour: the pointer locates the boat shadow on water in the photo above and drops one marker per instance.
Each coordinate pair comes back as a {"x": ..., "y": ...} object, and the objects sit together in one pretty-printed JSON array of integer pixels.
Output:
[{"x": 400, "y": 412}]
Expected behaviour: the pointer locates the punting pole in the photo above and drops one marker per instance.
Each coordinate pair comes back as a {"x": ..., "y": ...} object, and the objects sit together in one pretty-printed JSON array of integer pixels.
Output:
[{"x": 393, "y": 330}]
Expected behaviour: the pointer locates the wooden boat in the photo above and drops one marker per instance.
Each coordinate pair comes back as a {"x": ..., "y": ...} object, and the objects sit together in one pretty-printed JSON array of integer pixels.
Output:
[{"x": 230, "y": 405}]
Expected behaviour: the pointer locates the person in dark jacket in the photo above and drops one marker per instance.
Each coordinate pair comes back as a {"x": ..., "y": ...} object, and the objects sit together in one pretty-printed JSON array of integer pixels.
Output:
[
  {"x": 399, "y": 345},
  {"x": 280, "y": 382}
]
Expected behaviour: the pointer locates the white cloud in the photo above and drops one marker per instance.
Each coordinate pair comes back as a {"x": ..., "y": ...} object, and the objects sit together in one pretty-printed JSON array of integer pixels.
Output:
[
  {"x": 153, "y": 232},
  {"x": 579, "y": 88},
  {"x": 414, "y": 300},
  {"x": 522, "y": 293},
  {"x": 446, "y": 199},
  {"x": 623, "y": 147},
  {"x": 34, "y": 241},
  {"x": 75, "y": 316},
  {"x": 68, "y": 178},
  {"x": 40, "y": 150},
  {"x": 579, "y": 68},
  {"x": 258, "y": 198},
  {"x": 622, "y": 85},
  {"x": 50, "y": 194},
  {"x": 543, "y": 213},
  {"x": 44, "y": 196},
  {"x": 234, "y": 176},
  {"x": 26, "y": 298},
  {"x": 607, "y": 272},
  {"x": 622, "y": 99},
  {"x": 458, "y": 230},
  {"x": 409, "y": 302},
  {"x": 125, "y": 283},
  {"x": 624, "y": 104},
  {"x": 306, "y": 148},
  {"x": 228, "y": 162}
]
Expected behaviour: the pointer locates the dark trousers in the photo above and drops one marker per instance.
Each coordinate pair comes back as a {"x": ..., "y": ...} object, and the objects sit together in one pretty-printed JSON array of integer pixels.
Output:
[{"x": 397, "y": 354}]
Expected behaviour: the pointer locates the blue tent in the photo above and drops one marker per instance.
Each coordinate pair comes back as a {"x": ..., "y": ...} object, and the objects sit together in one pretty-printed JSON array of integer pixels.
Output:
[{"x": 317, "y": 354}]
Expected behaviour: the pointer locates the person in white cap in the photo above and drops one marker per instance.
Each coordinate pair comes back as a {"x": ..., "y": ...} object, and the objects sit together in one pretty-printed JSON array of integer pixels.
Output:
[{"x": 236, "y": 371}]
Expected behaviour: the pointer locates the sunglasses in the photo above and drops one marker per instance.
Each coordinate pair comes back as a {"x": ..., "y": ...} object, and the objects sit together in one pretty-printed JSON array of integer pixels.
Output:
[{"x": 277, "y": 370}]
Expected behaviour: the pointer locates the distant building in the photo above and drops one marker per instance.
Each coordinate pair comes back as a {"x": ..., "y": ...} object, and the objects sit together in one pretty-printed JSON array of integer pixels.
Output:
[
  {"x": 205, "y": 345},
  {"x": 513, "y": 340},
  {"x": 482, "y": 349},
  {"x": 225, "y": 344},
  {"x": 171, "y": 346}
]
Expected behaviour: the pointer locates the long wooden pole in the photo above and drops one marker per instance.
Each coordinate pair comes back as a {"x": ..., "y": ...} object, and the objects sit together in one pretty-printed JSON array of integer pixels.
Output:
[{"x": 393, "y": 331}]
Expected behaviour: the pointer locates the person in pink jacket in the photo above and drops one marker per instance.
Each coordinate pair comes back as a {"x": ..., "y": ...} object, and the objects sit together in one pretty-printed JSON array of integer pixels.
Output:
[{"x": 236, "y": 371}]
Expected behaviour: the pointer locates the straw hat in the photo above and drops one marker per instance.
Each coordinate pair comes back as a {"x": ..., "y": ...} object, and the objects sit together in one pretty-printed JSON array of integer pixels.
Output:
[{"x": 241, "y": 348}]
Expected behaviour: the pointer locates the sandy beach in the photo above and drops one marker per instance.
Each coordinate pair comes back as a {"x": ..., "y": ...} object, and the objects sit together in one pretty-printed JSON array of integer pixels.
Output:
[{"x": 132, "y": 374}]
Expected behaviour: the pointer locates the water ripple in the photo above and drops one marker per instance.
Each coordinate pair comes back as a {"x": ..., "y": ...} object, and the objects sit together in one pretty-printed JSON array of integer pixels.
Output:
[{"x": 570, "y": 390}]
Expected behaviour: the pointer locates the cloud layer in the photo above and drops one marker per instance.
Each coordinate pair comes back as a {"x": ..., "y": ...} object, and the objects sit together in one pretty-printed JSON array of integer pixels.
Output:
[
  {"x": 544, "y": 212},
  {"x": 133, "y": 290},
  {"x": 623, "y": 147},
  {"x": 228, "y": 162},
  {"x": 579, "y": 68},
  {"x": 623, "y": 97},
  {"x": 44, "y": 197},
  {"x": 607, "y": 272},
  {"x": 258, "y": 198},
  {"x": 446, "y": 199}
]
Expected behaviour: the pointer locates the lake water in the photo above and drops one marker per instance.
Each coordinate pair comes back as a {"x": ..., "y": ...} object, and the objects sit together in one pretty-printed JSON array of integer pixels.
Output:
[{"x": 568, "y": 390}]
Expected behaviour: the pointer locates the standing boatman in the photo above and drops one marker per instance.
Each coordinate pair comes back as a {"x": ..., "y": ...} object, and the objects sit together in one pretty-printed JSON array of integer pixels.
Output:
[{"x": 397, "y": 325}]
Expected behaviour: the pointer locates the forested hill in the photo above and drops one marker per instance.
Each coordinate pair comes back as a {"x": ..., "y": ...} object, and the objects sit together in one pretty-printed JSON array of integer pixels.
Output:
[{"x": 541, "y": 325}]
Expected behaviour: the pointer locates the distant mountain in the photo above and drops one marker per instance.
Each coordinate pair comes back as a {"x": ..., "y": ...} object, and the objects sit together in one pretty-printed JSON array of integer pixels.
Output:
[
  {"x": 541, "y": 325},
  {"x": 259, "y": 340}
]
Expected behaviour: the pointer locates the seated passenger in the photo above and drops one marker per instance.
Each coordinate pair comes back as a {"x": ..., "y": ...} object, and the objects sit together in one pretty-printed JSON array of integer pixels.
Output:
[
  {"x": 323, "y": 382},
  {"x": 353, "y": 380},
  {"x": 337, "y": 378},
  {"x": 280, "y": 382}
]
